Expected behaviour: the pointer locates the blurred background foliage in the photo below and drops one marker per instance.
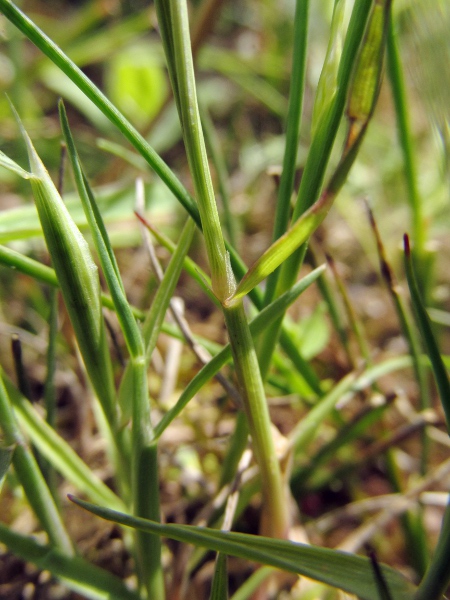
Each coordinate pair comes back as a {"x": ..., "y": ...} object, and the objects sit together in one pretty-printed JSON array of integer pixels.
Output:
[{"x": 243, "y": 62}]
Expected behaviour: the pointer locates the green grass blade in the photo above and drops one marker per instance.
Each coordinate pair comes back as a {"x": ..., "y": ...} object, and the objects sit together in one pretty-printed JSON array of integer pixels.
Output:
[
  {"x": 219, "y": 586},
  {"x": 77, "y": 277},
  {"x": 28, "y": 266},
  {"x": 424, "y": 324},
  {"x": 283, "y": 248},
  {"x": 218, "y": 160},
  {"x": 304, "y": 432},
  {"x": 76, "y": 573},
  {"x": 327, "y": 85},
  {"x": 348, "y": 572},
  {"x": 103, "y": 246},
  {"x": 396, "y": 79},
  {"x": 58, "y": 452},
  {"x": 6, "y": 454},
  {"x": 155, "y": 317},
  {"x": 292, "y": 130},
  {"x": 31, "y": 478},
  {"x": 323, "y": 141},
  {"x": 437, "y": 578},
  {"x": 177, "y": 21}
]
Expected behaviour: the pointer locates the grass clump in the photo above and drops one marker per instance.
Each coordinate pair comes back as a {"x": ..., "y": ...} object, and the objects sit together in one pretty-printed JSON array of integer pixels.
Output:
[{"x": 338, "y": 414}]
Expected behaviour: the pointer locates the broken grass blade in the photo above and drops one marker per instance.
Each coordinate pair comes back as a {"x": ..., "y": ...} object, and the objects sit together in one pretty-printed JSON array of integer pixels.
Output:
[
  {"x": 424, "y": 324},
  {"x": 284, "y": 247}
]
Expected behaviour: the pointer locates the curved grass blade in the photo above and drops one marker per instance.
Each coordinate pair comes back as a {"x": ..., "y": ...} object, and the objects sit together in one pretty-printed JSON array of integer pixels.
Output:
[
  {"x": 424, "y": 324},
  {"x": 348, "y": 572},
  {"x": 77, "y": 277},
  {"x": 31, "y": 478},
  {"x": 103, "y": 246},
  {"x": 76, "y": 573},
  {"x": 58, "y": 452}
]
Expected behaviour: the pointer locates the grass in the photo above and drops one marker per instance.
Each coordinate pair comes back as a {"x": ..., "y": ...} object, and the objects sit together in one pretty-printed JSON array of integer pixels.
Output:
[{"x": 339, "y": 412}]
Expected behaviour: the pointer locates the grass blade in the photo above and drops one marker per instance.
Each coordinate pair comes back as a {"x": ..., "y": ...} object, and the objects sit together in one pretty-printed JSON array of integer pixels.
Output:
[
  {"x": 348, "y": 572},
  {"x": 76, "y": 573},
  {"x": 437, "y": 578},
  {"x": 58, "y": 452},
  {"x": 31, "y": 478},
  {"x": 424, "y": 324},
  {"x": 284, "y": 247}
]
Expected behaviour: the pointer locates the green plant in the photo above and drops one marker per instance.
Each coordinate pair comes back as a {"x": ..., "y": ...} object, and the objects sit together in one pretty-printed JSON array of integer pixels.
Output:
[{"x": 347, "y": 91}]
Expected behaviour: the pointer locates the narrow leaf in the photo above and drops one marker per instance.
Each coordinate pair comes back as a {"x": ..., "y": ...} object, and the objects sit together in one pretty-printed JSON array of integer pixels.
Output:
[
  {"x": 58, "y": 452},
  {"x": 424, "y": 324},
  {"x": 12, "y": 166},
  {"x": 31, "y": 478},
  {"x": 280, "y": 250},
  {"x": 219, "y": 587},
  {"x": 327, "y": 86},
  {"x": 103, "y": 246},
  {"x": 76, "y": 573},
  {"x": 348, "y": 572},
  {"x": 6, "y": 454}
]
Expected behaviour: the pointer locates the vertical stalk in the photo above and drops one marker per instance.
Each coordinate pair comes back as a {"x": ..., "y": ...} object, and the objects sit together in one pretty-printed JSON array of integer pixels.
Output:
[
  {"x": 175, "y": 28},
  {"x": 288, "y": 173},
  {"x": 318, "y": 156},
  {"x": 292, "y": 132},
  {"x": 145, "y": 483},
  {"x": 404, "y": 133},
  {"x": 275, "y": 517}
]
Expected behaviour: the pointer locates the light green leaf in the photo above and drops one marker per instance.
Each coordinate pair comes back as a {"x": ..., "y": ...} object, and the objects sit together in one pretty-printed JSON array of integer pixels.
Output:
[
  {"x": 280, "y": 250},
  {"x": 327, "y": 86},
  {"x": 348, "y": 572},
  {"x": 12, "y": 166}
]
